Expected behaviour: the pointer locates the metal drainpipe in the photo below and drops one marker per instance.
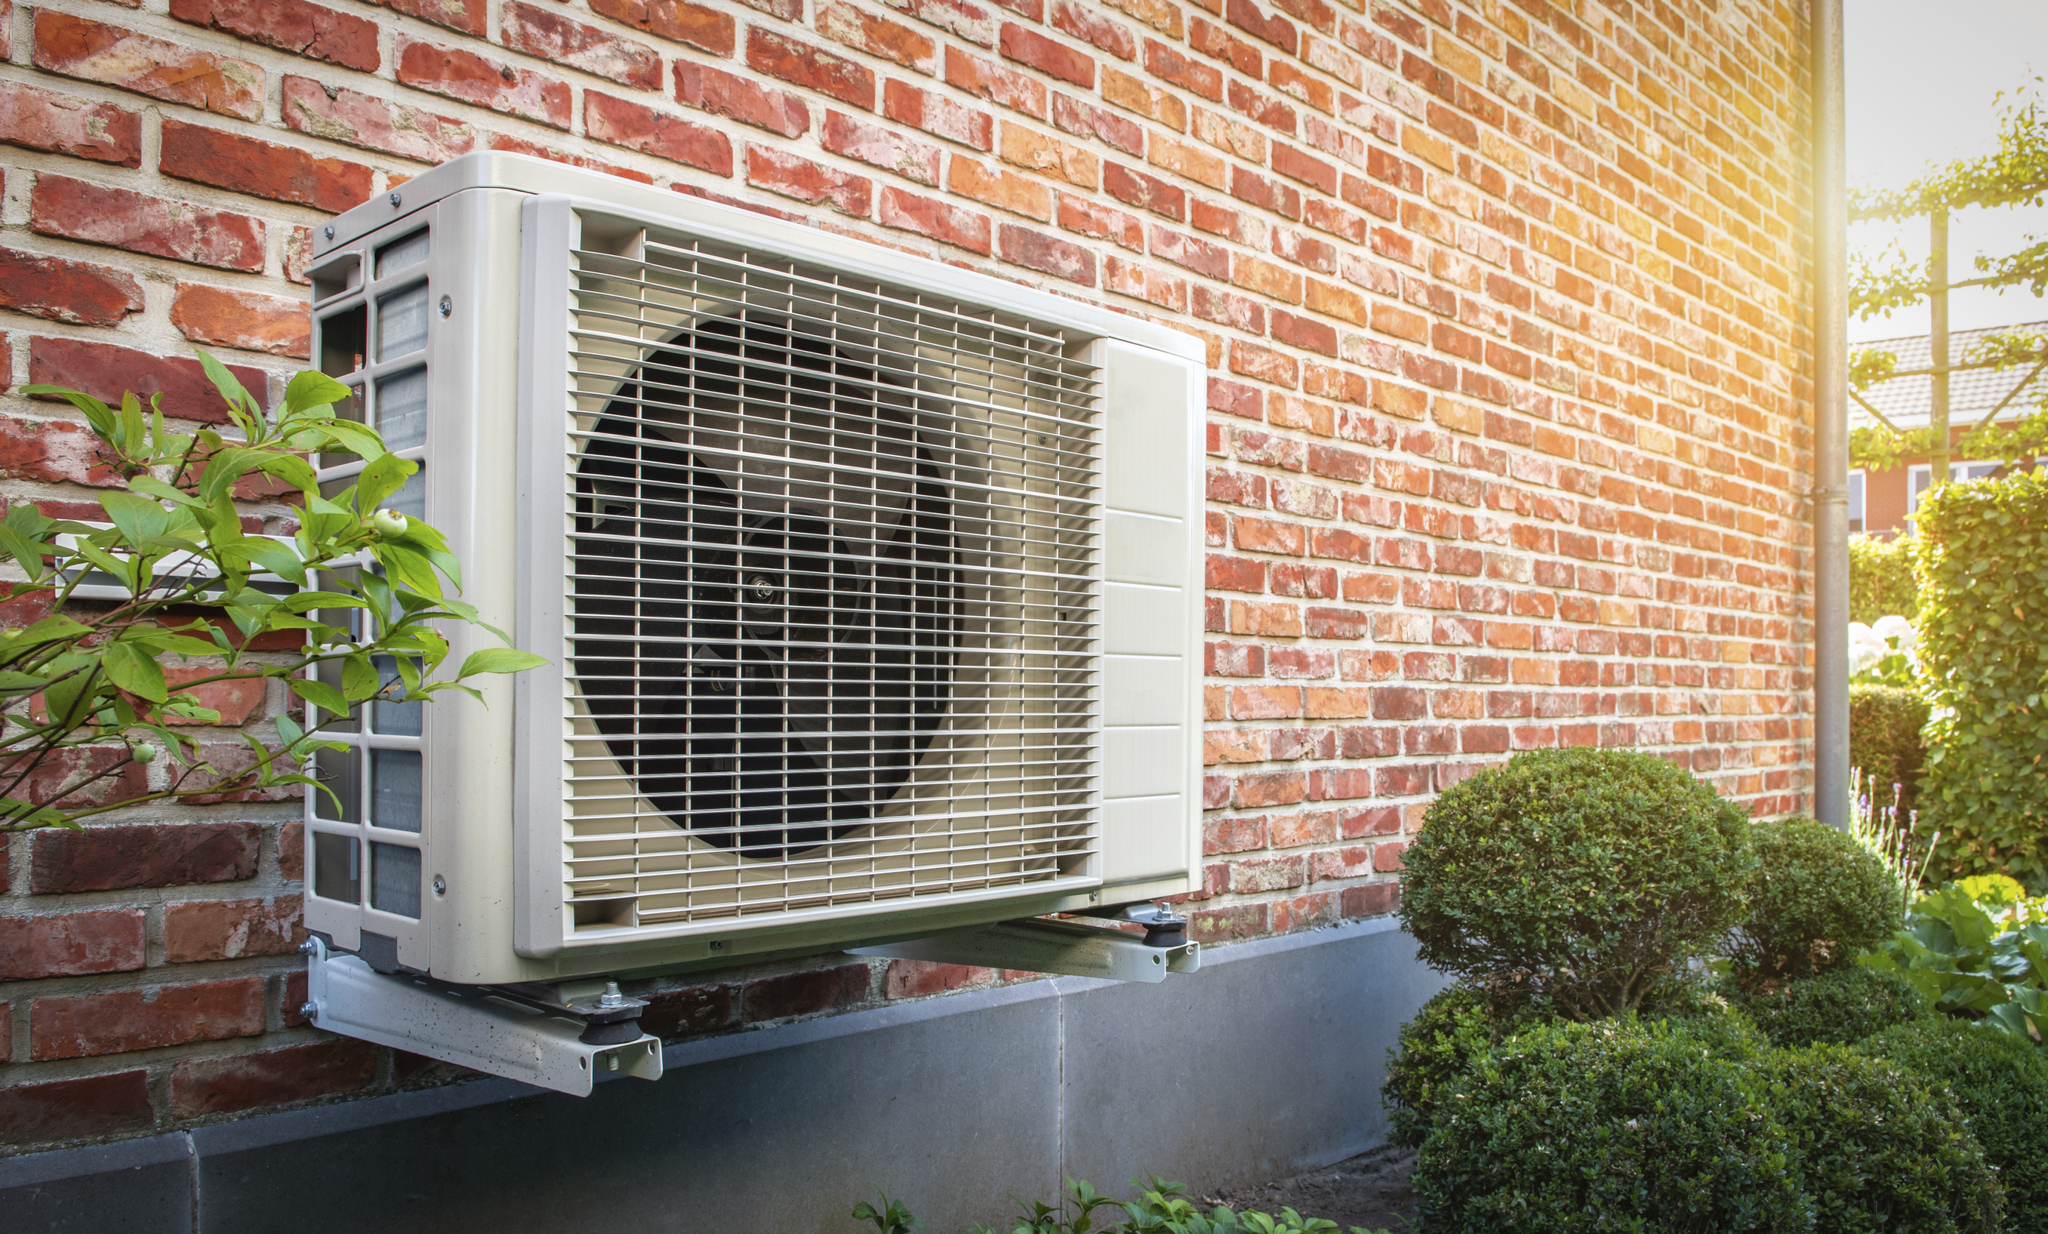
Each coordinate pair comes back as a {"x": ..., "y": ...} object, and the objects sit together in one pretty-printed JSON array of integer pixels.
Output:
[{"x": 1830, "y": 423}]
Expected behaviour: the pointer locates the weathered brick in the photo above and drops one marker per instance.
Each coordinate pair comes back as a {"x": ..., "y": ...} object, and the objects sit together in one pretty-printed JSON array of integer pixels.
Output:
[
  {"x": 1048, "y": 254},
  {"x": 919, "y": 978},
  {"x": 106, "y": 371},
  {"x": 42, "y": 120},
  {"x": 519, "y": 145},
  {"x": 623, "y": 122},
  {"x": 881, "y": 147},
  {"x": 724, "y": 94},
  {"x": 198, "y": 930},
  {"x": 1043, "y": 153},
  {"x": 809, "y": 182},
  {"x": 995, "y": 82},
  {"x": 697, "y": 1009},
  {"x": 308, "y": 30},
  {"x": 462, "y": 74},
  {"x": 940, "y": 220},
  {"x": 467, "y": 16},
  {"x": 551, "y": 36},
  {"x": 127, "y": 1020},
  {"x": 69, "y": 291},
  {"x": 237, "y": 1082},
  {"x": 144, "y": 223},
  {"x": 877, "y": 36},
  {"x": 813, "y": 68},
  {"x": 807, "y": 993},
  {"x": 938, "y": 115},
  {"x": 70, "y": 945},
  {"x": 1028, "y": 47},
  {"x": 260, "y": 168},
  {"x": 93, "y": 51},
  {"x": 373, "y": 123},
  {"x": 105, "y": 858},
  {"x": 77, "y": 1109},
  {"x": 251, "y": 321}
]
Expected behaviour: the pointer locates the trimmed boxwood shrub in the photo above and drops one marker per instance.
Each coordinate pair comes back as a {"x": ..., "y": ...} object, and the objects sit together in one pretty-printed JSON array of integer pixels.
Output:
[
  {"x": 1881, "y": 581},
  {"x": 1618, "y": 1125},
  {"x": 2001, "y": 1084},
  {"x": 1982, "y": 557},
  {"x": 1585, "y": 877},
  {"x": 1879, "y": 1149},
  {"x": 1437, "y": 1047},
  {"x": 1885, "y": 725},
  {"x": 1840, "y": 1007},
  {"x": 1819, "y": 898}
]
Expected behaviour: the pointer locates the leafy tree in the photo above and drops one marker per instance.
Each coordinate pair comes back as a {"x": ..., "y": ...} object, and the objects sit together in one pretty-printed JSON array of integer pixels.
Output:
[
  {"x": 172, "y": 573},
  {"x": 2016, "y": 174}
]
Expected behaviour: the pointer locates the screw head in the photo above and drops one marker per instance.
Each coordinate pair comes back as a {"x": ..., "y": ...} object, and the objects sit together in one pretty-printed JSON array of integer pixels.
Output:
[
  {"x": 763, "y": 587},
  {"x": 328, "y": 232},
  {"x": 396, "y": 198},
  {"x": 309, "y": 947},
  {"x": 309, "y": 1010},
  {"x": 440, "y": 885},
  {"x": 447, "y": 305}
]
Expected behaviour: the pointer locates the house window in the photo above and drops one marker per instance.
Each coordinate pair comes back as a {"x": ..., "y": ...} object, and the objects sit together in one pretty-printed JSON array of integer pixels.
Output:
[
  {"x": 1919, "y": 479},
  {"x": 1856, "y": 501}
]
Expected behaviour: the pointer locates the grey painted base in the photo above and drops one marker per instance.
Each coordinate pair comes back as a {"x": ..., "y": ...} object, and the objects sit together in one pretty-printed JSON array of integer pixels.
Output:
[{"x": 1265, "y": 1063}]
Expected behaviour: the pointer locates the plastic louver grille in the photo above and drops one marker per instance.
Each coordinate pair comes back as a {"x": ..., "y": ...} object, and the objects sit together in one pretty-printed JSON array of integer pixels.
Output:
[{"x": 832, "y": 598}]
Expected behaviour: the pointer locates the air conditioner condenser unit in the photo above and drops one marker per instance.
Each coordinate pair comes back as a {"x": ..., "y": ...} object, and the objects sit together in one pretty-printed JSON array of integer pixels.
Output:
[{"x": 870, "y": 590}]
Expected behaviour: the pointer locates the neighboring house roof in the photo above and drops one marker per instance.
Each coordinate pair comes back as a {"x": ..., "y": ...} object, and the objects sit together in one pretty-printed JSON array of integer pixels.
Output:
[{"x": 1905, "y": 400}]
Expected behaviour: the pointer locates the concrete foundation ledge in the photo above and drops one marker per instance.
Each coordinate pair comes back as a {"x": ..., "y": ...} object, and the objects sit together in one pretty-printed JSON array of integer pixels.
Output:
[{"x": 1265, "y": 1063}]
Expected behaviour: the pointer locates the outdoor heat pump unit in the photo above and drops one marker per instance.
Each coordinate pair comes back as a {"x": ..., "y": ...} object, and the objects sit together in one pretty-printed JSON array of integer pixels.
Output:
[{"x": 870, "y": 592}]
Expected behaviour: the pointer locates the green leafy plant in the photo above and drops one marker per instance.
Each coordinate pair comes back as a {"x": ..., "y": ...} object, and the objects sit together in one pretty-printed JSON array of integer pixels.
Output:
[
  {"x": 1584, "y": 878},
  {"x": 1983, "y": 563},
  {"x": 1819, "y": 899},
  {"x": 172, "y": 575},
  {"x": 1877, "y": 1148},
  {"x": 1885, "y": 723},
  {"x": 891, "y": 1218},
  {"x": 1435, "y": 1050},
  {"x": 1976, "y": 950},
  {"x": 2001, "y": 1085},
  {"x": 1881, "y": 579},
  {"x": 1160, "y": 1207},
  {"x": 1841, "y": 1006},
  {"x": 1619, "y": 1124}
]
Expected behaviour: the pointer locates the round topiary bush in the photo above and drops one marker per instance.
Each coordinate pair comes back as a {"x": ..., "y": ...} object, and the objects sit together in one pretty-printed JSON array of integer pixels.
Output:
[
  {"x": 1819, "y": 898},
  {"x": 1585, "y": 877},
  {"x": 1878, "y": 1149},
  {"x": 1841, "y": 1006},
  {"x": 1436, "y": 1048},
  {"x": 2001, "y": 1084},
  {"x": 1618, "y": 1125}
]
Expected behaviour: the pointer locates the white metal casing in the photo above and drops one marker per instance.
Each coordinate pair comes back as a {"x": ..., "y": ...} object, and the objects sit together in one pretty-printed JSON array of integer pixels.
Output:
[{"x": 503, "y": 234}]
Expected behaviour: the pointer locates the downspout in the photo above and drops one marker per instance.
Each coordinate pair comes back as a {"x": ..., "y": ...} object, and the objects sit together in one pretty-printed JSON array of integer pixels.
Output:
[{"x": 1830, "y": 422}]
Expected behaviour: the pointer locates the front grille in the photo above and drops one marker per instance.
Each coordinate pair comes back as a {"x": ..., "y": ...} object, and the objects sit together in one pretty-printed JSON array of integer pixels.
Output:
[{"x": 832, "y": 602}]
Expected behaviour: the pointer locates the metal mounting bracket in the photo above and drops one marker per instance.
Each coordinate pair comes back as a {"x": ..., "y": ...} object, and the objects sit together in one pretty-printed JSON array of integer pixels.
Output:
[
  {"x": 492, "y": 1031},
  {"x": 1043, "y": 945}
]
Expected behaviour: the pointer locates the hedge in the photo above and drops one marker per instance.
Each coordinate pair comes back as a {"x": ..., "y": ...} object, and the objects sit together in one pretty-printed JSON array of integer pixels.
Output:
[
  {"x": 1982, "y": 558},
  {"x": 1885, "y": 723},
  {"x": 1881, "y": 581}
]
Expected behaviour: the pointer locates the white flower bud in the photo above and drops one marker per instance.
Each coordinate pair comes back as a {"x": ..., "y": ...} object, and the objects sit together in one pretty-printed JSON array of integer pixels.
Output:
[{"x": 388, "y": 523}]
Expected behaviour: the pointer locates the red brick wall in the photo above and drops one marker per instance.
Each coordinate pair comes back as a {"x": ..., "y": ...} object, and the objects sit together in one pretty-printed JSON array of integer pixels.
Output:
[{"x": 1505, "y": 305}]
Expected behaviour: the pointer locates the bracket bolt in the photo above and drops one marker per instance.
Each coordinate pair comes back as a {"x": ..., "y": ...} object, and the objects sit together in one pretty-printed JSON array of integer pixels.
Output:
[
  {"x": 440, "y": 885},
  {"x": 309, "y": 1010},
  {"x": 396, "y": 198},
  {"x": 309, "y": 947},
  {"x": 328, "y": 232},
  {"x": 611, "y": 996}
]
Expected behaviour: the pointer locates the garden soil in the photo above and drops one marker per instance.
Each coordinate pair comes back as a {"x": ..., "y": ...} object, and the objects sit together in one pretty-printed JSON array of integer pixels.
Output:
[{"x": 1369, "y": 1191}]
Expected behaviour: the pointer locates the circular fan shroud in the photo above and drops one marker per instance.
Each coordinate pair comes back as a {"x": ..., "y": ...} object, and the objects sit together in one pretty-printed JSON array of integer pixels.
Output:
[{"x": 766, "y": 606}]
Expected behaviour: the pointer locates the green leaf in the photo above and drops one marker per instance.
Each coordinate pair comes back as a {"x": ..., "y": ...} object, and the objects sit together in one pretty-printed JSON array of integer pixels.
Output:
[
  {"x": 150, "y": 486},
  {"x": 140, "y": 519},
  {"x": 278, "y": 558},
  {"x": 384, "y": 475},
  {"x": 320, "y": 694},
  {"x": 231, "y": 389},
  {"x": 96, "y": 413},
  {"x": 135, "y": 671},
  {"x": 358, "y": 678},
  {"x": 27, "y": 553},
  {"x": 309, "y": 390},
  {"x": 499, "y": 660}
]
